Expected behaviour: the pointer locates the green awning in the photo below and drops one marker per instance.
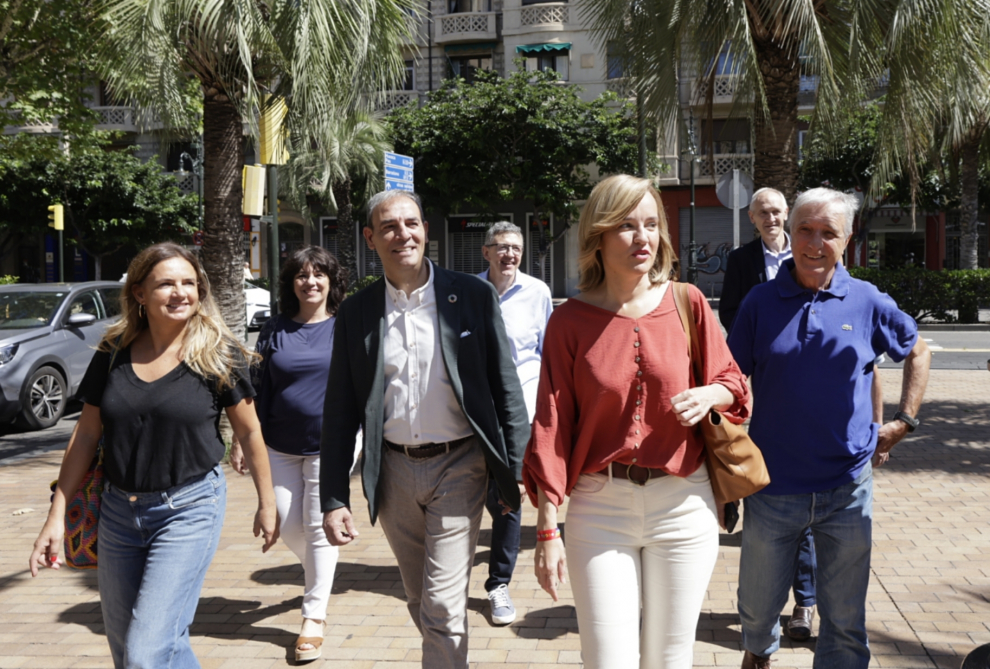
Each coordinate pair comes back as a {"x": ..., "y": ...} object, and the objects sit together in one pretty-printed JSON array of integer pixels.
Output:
[
  {"x": 470, "y": 46},
  {"x": 546, "y": 46}
]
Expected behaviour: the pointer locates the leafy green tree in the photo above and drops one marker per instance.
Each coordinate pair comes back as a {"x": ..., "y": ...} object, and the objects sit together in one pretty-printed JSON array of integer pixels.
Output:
[
  {"x": 321, "y": 57},
  {"x": 525, "y": 137},
  {"x": 852, "y": 48},
  {"x": 44, "y": 68},
  {"x": 112, "y": 200}
]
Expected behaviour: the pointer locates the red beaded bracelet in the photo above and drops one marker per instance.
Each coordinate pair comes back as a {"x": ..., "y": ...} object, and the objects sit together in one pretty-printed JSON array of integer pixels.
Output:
[{"x": 548, "y": 535}]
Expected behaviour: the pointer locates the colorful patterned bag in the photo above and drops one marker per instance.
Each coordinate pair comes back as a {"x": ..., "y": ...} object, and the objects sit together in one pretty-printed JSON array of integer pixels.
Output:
[{"x": 82, "y": 511}]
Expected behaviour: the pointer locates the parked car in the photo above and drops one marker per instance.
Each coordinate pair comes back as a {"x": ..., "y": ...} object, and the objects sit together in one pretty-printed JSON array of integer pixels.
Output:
[
  {"x": 48, "y": 334},
  {"x": 257, "y": 302}
]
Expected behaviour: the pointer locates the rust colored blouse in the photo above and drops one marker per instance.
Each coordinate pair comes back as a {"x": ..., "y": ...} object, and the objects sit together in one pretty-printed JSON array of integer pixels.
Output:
[{"x": 605, "y": 388}]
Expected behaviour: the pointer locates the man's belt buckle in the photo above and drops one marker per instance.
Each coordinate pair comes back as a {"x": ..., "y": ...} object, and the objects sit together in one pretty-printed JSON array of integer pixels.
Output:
[{"x": 649, "y": 475}]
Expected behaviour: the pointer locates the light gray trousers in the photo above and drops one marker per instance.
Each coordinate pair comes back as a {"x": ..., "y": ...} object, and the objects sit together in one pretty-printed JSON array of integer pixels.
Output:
[{"x": 431, "y": 514}]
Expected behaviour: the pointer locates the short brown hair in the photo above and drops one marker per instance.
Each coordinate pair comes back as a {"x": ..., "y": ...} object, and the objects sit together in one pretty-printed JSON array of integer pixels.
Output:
[{"x": 318, "y": 258}]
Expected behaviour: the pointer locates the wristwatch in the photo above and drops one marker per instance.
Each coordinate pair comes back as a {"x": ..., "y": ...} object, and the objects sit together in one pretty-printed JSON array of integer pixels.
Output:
[{"x": 909, "y": 420}]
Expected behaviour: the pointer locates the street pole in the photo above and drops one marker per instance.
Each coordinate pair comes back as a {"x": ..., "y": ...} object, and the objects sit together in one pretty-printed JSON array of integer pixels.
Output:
[
  {"x": 641, "y": 129},
  {"x": 692, "y": 244},
  {"x": 273, "y": 249},
  {"x": 61, "y": 258}
]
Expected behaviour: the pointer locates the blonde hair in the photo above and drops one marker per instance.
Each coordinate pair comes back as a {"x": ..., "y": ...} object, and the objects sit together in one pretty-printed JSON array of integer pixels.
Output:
[
  {"x": 607, "y": 206},
  {"x": 208, "y": 345}
]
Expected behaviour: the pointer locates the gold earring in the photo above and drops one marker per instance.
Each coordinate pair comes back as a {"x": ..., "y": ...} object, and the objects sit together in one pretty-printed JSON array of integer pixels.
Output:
[{"x": 140, "y": 310}]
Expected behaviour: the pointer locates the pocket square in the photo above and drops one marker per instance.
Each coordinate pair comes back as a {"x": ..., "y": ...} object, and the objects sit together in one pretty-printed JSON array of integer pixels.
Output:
[{"x": 465, "y": 334}]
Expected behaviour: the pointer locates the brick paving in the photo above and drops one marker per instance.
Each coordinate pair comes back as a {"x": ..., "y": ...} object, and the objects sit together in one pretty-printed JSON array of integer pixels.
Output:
[{"x": 928, "y": 597}]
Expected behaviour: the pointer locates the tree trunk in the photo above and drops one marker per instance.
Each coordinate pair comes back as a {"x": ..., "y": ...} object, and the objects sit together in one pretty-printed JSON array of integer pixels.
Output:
[
  {"x": 969, "y": 201},
  {"x": 775, "y": 136},
  {"x": 222, "y": 253},
  {"x": 345, "y": 229}
]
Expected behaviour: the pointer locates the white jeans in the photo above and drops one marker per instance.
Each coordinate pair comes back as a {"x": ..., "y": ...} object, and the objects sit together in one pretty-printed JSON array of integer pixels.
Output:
[
  {"x": 635, "y": 550},
  {"x": 297, "y": 495}
]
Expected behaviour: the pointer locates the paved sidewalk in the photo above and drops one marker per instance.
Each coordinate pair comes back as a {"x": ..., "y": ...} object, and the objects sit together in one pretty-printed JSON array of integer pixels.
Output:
[{"x": 928, "y": 598}]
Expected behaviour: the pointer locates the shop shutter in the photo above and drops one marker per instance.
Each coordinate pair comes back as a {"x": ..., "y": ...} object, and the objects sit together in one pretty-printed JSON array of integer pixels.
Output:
[{"x": 713, "y": 236}]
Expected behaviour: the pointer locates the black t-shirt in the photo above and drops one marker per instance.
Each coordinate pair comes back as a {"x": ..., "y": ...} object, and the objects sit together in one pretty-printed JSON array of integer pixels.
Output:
[{"x": 161, "y": 434}]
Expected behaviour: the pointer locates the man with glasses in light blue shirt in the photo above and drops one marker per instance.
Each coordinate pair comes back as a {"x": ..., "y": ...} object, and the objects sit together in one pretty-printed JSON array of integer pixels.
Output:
[{"x": 526, "y": 308}]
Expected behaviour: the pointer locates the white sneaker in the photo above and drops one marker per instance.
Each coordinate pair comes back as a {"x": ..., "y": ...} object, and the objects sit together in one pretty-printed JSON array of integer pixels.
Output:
[{"x": 503, "y": 612}]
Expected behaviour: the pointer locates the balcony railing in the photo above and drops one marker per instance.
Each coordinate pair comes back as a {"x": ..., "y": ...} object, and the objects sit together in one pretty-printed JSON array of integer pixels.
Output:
[
  {"x": 544, "y": 14},
  {"x": 725, "y": 88},
  {"x": 723, "y": 162},
  {"x": 621, "y": 86},
  {"x": 395, "y": 99},
  {"x": 466, "y": 26},
  {"x": 116, "y": 118}
]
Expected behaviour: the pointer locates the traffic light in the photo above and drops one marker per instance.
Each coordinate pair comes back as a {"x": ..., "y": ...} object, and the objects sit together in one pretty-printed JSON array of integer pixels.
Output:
[
  {"x": 55, "y": 217},
  {"x": 253, "y": 182}
]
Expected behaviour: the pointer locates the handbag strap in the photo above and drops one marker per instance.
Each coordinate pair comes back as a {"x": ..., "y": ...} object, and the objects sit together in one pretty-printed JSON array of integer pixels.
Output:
[{"x": 684, "y": 309}]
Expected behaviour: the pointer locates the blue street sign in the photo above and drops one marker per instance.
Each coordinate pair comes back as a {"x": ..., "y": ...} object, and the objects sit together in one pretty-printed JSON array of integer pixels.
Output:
[
  {"x": 392, "y": 184},
  {"x": 398, "y": 173},
  {"x": 398, "y": 160}
]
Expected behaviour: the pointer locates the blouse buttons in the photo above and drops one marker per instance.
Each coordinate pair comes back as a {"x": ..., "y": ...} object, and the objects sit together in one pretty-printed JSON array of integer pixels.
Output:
[
  {"x": 639, "y": 387},
  {"x": 636, "y": 329},
  {"x": 637, "y": 431},
  {"x": 634, "y": 459},
  {"x": 636, "y": 343},
  {"x": 637, "y": 358},
  {"x": 636, "y": 417},
  {"x": 638, "y": 402},
  {"x": 635, "y": 445},
  {"x": 639, "y": 373}
]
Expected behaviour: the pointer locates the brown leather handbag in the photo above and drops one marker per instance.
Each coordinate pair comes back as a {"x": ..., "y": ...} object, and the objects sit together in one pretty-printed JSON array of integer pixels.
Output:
[{"x": 735, "y": 464}]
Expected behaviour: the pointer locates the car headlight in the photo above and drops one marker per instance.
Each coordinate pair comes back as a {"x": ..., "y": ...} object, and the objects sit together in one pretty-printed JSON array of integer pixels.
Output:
[{"x": 7, "y": 353}]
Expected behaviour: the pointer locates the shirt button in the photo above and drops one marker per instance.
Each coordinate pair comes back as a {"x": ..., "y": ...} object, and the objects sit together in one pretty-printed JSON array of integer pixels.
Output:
[
  {"x": 635, "y": 445},
  {"x": 415, "y": 436},
  {"x": 639, "y": 387},
  {"x": 638, "y": 402},
  {"x": 636, "y": 329},
  {"x": 634, "y": 459},
  {"x": 636, "y": 343},
  {"x": 639, "y": 373},
  {"x": 812, "y": 311},
  {"x": 637, "y": 431},
  {"x": 637, "y": 358},
  {"x": 636, "y": 417}
]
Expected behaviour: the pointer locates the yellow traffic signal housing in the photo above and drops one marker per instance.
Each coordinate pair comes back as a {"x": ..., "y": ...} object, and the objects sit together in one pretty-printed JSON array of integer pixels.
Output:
[
  {"x": 56, "y": 217},
  {"x": 274, "y": 137},
  {"x": 253, "y": 181}
]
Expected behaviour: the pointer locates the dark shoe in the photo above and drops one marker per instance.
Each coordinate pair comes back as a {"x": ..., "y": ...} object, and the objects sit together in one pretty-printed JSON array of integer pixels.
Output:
[
  {"x": 799, "y": 626},
  {"x": 751, "y": 661}
]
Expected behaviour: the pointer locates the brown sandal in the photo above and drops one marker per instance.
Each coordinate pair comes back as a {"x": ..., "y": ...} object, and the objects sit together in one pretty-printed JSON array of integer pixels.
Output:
[{"x": 313, "y": 653}]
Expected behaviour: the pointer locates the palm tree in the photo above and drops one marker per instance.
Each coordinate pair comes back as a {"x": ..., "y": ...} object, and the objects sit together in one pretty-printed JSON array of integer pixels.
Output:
[
  {"x": 770, "y": 44},
  {"x": 322, "y": 57},
  {"x": 353, "y": 154}
]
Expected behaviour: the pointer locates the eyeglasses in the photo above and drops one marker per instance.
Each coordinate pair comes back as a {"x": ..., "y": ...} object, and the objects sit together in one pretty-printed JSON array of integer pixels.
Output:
[{"x": 505, "y": 249}]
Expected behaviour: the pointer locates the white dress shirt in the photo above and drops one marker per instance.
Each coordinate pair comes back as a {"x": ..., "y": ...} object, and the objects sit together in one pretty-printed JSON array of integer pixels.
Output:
[
  {"x": 420, "y": 405},
  {"x": 526, "y": 307},
  {"x": 773, "y": 261}
]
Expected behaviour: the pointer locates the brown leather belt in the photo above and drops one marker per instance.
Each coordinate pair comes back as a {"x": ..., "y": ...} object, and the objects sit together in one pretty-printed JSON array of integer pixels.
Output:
[
  {"x": 633, "y": 473},
  {"x": 428, "y": 450}
]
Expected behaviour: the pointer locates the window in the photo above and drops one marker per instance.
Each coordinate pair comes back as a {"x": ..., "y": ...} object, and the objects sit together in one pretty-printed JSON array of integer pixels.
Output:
[
  {"x": 467, "y": 66},
  {"x": 111, "y": 301},
  {"x": 802, "y": 137},
  {"x": 410, "y": 83},
  {"x": 558, "y": 61},
  {"x": 85, "y": 304},
  {"x": 462, "y": 6},
  {"x": 615, "y": 62}
]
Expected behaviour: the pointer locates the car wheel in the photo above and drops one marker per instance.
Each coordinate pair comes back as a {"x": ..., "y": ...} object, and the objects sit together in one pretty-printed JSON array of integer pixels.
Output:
[{"x": 43, "y": 399}]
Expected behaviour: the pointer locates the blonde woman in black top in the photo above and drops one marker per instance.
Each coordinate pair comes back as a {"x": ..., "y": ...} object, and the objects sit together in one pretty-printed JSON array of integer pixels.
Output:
[{"x": 157, "y": 408}]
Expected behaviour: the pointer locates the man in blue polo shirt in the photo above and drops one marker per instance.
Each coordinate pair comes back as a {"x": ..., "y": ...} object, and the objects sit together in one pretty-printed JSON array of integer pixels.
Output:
[
  {"x": 809, "y": 339},
  {"x": 526, "y": 307}
]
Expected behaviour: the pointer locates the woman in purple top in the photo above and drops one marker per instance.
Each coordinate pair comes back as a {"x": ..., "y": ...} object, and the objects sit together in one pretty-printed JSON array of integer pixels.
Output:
[{"x": 291, "y": 382}]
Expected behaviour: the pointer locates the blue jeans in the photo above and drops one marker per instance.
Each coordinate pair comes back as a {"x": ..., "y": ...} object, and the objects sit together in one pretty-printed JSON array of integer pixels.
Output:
[
  {"x": 841, "y": 520},
  {"x": 506, "y": 532},
  {"x": 804, "y": 575},
  {"x": 154, "y": 551}
]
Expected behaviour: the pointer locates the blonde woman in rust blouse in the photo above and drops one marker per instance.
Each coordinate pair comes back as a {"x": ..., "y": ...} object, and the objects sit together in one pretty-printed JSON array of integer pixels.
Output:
[{"x": 614, "y": 431}]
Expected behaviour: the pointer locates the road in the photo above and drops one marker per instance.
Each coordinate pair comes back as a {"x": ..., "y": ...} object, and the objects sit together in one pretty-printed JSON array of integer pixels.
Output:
[{"x": 955, "y": 350}]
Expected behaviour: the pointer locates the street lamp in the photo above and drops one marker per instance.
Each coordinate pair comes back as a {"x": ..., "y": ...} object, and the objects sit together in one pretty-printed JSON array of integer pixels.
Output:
[
  {"x": 196, "y": 169},
  {"x": 692, "y": 151}
]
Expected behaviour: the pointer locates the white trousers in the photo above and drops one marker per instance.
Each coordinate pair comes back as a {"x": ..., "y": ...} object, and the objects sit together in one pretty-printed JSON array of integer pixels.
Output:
[
  {"x": 297, "y": 496},
  {"x": 640, "y": 558}
]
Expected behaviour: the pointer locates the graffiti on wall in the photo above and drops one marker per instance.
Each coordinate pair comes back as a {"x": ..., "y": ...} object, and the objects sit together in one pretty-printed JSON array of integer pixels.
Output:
[{"x": 709, "y": 262}]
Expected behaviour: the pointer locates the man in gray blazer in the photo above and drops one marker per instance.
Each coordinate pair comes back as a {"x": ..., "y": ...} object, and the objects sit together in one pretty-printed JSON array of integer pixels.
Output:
[{"x": 421, "y": 361}]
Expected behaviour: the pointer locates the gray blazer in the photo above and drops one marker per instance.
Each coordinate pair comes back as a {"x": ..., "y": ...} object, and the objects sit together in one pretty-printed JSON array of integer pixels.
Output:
[{"x": 479, "y": 366}]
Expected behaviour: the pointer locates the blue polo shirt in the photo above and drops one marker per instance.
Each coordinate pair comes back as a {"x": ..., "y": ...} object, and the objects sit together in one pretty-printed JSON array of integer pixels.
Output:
[{"x": 810, "y": 356}]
